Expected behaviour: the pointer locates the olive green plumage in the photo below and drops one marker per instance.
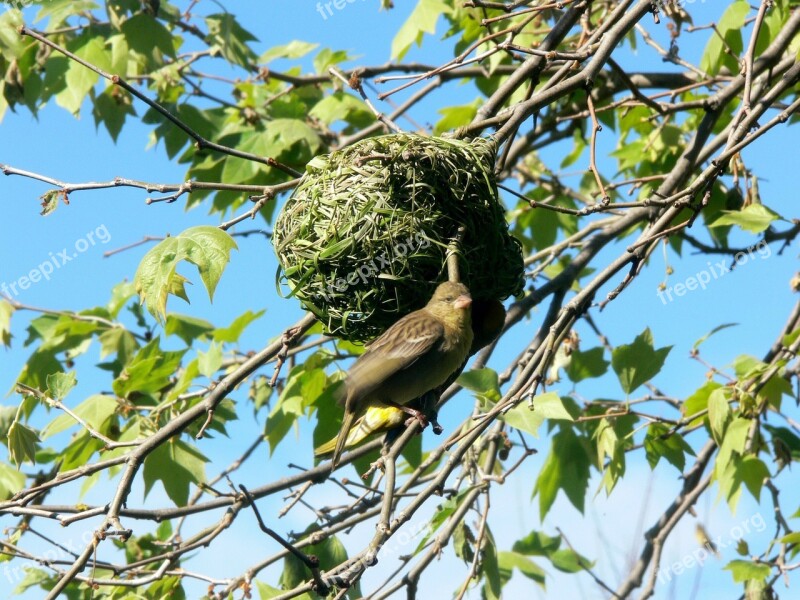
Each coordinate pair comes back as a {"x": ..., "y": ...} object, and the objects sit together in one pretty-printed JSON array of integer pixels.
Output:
[{"x": 415, "y": 355}]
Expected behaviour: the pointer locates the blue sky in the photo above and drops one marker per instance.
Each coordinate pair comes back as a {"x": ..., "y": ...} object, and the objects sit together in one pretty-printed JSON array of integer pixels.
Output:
[{"x": 755, "y": 295}]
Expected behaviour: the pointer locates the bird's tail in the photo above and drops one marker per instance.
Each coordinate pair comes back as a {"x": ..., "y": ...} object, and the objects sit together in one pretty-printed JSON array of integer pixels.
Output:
[
  {"x": 376, "y": 420},
  {"x": 341, "y": 440}
]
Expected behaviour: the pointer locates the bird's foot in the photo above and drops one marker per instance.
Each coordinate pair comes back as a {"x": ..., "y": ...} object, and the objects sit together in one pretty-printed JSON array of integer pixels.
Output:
[
  {"x": 416, "y": 415},
  {"x": 428, "y": 406}
]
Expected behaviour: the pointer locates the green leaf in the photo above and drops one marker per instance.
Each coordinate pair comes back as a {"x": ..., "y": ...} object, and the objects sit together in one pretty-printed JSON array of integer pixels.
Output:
[
  {"x": 23, "y": 442},
  {"x": 177, "y": 465},
  {"x": 226, "y": 35},
  {"x": 729, "y": 26},
  {"x": 206, "y": 247},
  {"x": 39, "y": 365},
  {"x": 583, "y": 365},
  {"x": 742, "y": 570},
  {"x": 639, "y": 362},
  {"x": 49, "y": 202},
  {"x": 6, "y": 310},
  {"x": 148, "y": 40},
  {"x": 59, "y": 10},
  {"x": 166, "y": 588},
  {"x": 422, "y": 20},
  {"x": 792, "y": 538},
  {"x": 330, "y": 553},
  {"x": 545, "y": 406},
  {"x": 210, "y": 362},
  {"x": 60, "y": 384},
  {"x": 698, "y": 401},
  {"x": 726, "y": 465},
  {"x": 658, "y": 443},
  {"x": 565, "y": 468},
  {"x": 490, "y": 569},
  {"x": 327, "y": 58},
  {"x": 187, "y": 328},
  {"x": 149, "y": 372},
  {"x": 33, "y": 578},
  {"x": 752, "y": 472},
  {"x": 294, "y": 49},
  {"x": 111, "y": 108},
  {"x": 11, "y": 481},
  {"x": 569, "y": 561},
  {"x": 746, "y": 366},
  {"x": 95, "y": 410},
  {"x": 464, "y": 542},
  {"x": 537, "y": 543},
  {"x": 304, "y": 387},
  {"x": 232, "y": 333},
  {"x": 295, "y": 140},
  {"x": 342, "y": 107},
  {"x": 266, "y": 592},
  {"x": 508, "y": 561},
  {"x": 454, "y": 117},
  {"x": 712, "y": 332},
  {"x": 579, "y": 146},
  {"x": 483, "y": 382},
  {"x": 80, "y": 80},
  {"x": 719, "y": 413},
  {"x": 754, "y": 218}
]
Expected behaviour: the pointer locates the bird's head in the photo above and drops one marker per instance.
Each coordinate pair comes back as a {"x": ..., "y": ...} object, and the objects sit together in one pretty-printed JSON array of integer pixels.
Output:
[{"x": 451, "y": 303}]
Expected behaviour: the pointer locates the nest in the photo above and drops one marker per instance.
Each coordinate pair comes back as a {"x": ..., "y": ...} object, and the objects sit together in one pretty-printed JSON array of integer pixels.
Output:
[{"x": 363, "y": 239}]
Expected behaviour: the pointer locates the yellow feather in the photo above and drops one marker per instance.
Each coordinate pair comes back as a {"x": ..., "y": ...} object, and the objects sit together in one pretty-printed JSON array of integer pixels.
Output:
[{"x": 377, "y": 419}]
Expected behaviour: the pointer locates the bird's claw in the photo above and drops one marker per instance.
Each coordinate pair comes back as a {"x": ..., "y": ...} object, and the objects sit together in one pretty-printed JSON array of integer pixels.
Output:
[{"x": 419, "y": 417}]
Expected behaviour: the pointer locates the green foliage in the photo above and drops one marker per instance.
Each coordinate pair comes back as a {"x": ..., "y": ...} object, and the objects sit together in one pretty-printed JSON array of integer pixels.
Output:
[
  {"x": 423, "y": 20},
  {"x": 101, "y": 381},
  {"x": 725, "y": 39},
  {"x": 176, "y": 465},
  {"x": 586, "y": 365},
  {"x": 637, "y": 363},
  {"x": 743, "y": 570},
  {"x": 545, "y": 406},
  {"x": 754, "y": 218},
  {"x": 208, "y": 248},
  {"x": 566, "y": 468}
]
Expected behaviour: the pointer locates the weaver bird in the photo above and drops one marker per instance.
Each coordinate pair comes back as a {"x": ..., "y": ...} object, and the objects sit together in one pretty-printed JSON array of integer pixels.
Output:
[
  {"x": 415, "y": 355},
  {"x": 488, "y": 318}
]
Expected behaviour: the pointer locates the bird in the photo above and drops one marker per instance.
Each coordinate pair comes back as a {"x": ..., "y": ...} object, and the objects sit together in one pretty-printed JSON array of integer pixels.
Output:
[
  {"x": 705, "y": 540},
  {"x": 416, "y": 354},
  {"x": 487, "y": 320}
]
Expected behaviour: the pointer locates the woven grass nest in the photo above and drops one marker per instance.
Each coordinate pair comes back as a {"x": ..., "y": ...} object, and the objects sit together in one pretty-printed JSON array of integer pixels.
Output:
[{"x": 363, "y": 239}]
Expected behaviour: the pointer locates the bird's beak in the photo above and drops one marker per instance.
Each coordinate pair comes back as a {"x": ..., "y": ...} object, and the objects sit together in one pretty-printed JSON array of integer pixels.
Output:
[{"x": 463, "y": 301}]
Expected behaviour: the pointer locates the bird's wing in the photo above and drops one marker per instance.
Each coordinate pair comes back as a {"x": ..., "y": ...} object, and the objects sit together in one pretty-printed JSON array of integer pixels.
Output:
[{"x": 397, "y": 349}]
